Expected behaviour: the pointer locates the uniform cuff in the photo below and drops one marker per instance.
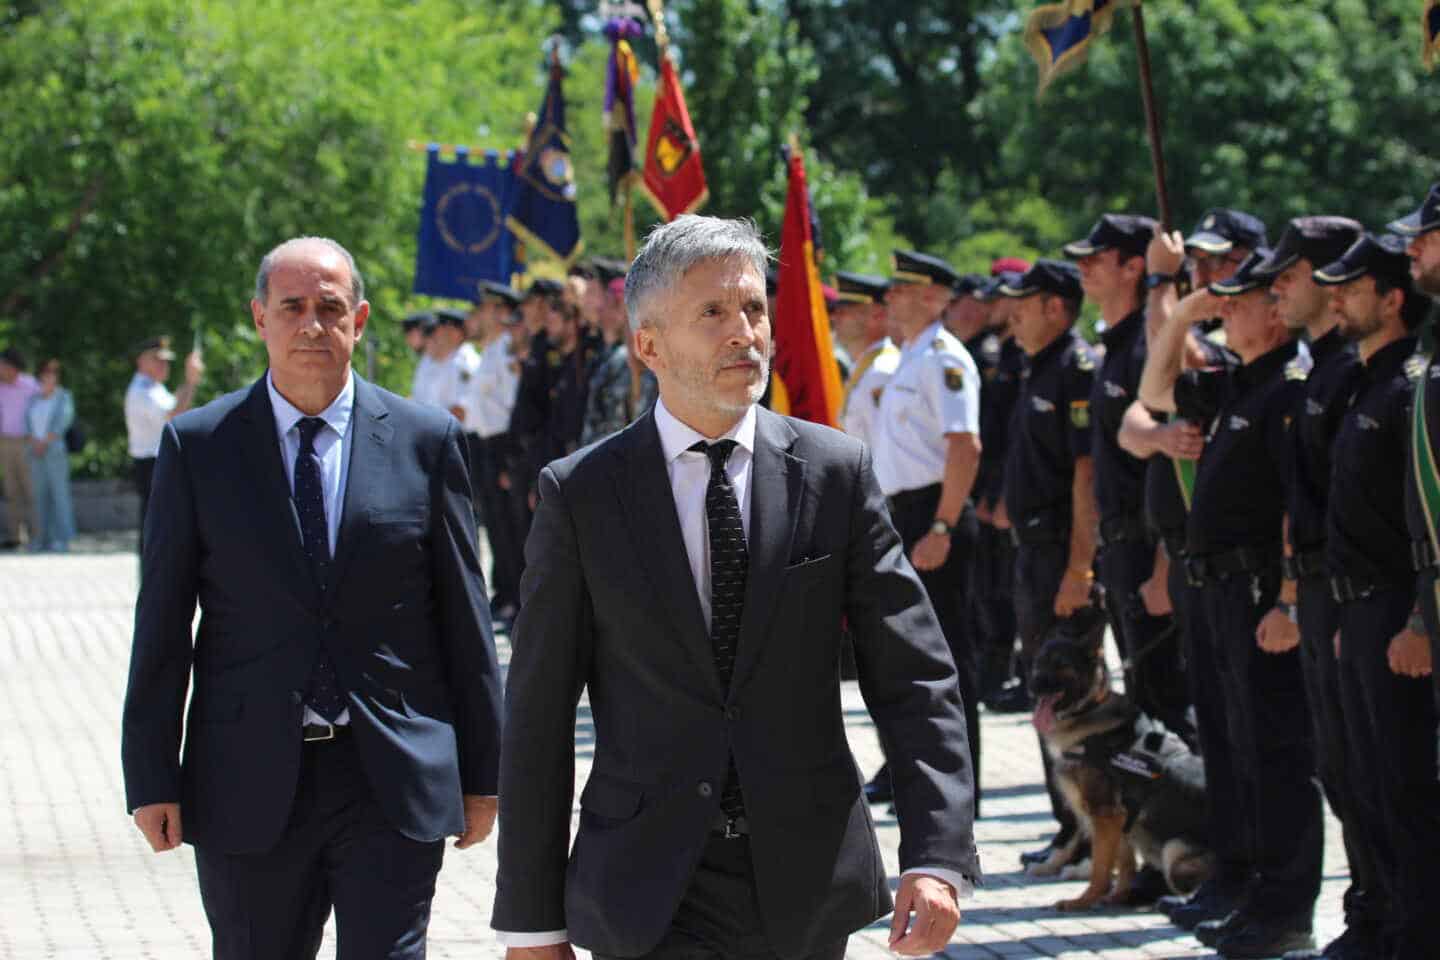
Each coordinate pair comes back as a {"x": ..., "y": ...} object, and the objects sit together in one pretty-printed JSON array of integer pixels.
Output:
[
  {"x": 542, "y": 938},
  {"x": 964, "y": 889}
]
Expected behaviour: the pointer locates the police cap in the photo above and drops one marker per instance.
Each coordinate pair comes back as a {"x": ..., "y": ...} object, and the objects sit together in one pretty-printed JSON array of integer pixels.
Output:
[
  {"x": 1380, "y": 256},
  {"x": 1047, "y": 276},
  {"x": 1222, "y": 230},
  {"x": 544, "y": 287},
  {"x": 492, "y": 292},
  {"x": 1248, "y": 277},
  {"x": 1127, "y": 232},
  {"x": 922, "y": 269},
  {"x": 968, "y": 283},
  {"x": 608, "y": 268},
  {"x": 449, "y": 317},
  {"x": 160, "y": 346},
  {"x": 423, "y": 319},
  {"x": 860, "y": 287},
  {"x": 1423, "y": 220},
  {"x": 1320, "y": 240}
]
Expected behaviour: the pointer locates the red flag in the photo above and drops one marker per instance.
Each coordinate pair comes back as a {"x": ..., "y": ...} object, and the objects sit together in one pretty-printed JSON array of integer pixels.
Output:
[
  {"x": 804, "y": 354},
  {"x": 674, "y": 177}
]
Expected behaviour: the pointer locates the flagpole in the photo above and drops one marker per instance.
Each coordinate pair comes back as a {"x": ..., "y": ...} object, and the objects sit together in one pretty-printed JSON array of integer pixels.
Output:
[{"x": 1152, "y": 116}]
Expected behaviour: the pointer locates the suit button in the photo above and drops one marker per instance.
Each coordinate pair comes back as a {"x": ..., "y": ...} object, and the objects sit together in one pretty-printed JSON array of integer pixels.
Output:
[
  {"x": 705, "y": 789},
  {"x": 732, "y": 713}
]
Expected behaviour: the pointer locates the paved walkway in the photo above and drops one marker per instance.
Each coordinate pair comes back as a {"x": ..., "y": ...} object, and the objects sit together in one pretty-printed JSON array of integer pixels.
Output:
[{"x": 77, "y": 881}]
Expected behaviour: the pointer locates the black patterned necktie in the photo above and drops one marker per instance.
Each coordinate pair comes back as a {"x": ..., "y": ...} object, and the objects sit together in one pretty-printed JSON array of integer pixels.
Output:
[
  {"x": 324, "y": 696},
  {"x": 729, "y": 570}
]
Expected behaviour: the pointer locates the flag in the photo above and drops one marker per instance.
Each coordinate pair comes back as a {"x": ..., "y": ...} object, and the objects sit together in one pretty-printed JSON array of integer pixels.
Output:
[
  {"x": 544, "y": 214},
  {"x": 805, "y": 365},
  {"x": 674, "y": 177},
  {"x": 622, "y": 72},
  {"x": 462, "y": 238},
  {"x": 1430, "y": 25},
  {"x": 1059, "y": 34}
]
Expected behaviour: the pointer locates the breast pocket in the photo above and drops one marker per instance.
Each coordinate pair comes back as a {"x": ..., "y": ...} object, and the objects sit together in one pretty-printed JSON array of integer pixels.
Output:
[{"x": 809, "y": 570}]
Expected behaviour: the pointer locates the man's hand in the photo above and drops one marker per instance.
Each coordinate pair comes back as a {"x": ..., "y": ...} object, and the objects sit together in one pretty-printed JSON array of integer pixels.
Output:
[
  {"x": 1166, "y": 253},
  {"x": 929, "y": 552},
  {"x": 1409, "y": 654},
  {"x": 194, "y": 368},
  {"x": 1155, "y": 594},
  {"x": 555, "y": 951},
  {"x": 1180, "y": 440},
  {"x": 936, "y": 909},
  {"x": 1277, "y": 633},
  {"x": 479, "y": 819},
  {"x": 1074, "y": 594},
  {"x": 984, "y": 513},
  {"x": 160, "y": 822}
]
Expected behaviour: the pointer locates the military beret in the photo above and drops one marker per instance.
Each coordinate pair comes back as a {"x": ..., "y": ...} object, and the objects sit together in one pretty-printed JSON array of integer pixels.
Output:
[
  {"x": 1320, "y": 240},
  {"x": 1008, "y": 265},
  {"x": 1127, "y": 232},
  {"x": 922, "y": 269},
  {"x": 1221, "y": 230},
  {"x": 1380, "y": 256},
  {"x": 1047, "y": 276},
  {"x": 1423, "y": 220},
  {"x": 1248, "y": 277},
  {"x": 860, "y": 287}
]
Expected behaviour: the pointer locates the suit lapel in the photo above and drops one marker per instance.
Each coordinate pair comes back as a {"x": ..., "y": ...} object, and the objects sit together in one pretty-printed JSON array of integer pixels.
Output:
[
  {"x": 365, "y": 475},
  {"x": 777, "y": 483},
  {"x": 260, "y": 448},
  {"x": 655, "y": 527}
]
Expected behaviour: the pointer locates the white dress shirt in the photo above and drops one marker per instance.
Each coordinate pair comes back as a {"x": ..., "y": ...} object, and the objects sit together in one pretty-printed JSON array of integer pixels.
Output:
[
  {"x": 857, "y": 416},
  {"x": 332, "y": 446},
  {"x": 147, "y": 410},
  {"x": 447, "y": 383},
  {"x": 493, "y": 388},
  {"x": 689, "y": 474}
]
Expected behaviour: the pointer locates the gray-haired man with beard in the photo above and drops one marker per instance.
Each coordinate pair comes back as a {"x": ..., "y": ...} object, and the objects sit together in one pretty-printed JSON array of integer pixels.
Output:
[{"x": 693, "y": 572}]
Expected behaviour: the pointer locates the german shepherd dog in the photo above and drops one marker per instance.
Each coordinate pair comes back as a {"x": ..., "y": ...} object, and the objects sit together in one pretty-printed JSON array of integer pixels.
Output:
[{"x": 1134, "y": 786}]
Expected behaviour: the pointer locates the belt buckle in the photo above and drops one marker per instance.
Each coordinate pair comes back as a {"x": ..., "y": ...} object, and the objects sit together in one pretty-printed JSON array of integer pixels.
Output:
[
  {"x": 329, "y": 733},
  {"x": 730, "y": 832}
]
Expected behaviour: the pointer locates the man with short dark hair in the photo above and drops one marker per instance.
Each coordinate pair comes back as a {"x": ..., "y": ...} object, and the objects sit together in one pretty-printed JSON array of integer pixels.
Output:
[{"x": 149, "y": 406}]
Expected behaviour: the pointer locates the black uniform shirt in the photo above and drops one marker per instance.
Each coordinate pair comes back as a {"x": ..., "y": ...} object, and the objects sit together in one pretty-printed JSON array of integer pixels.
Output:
[
  {"x": 1240, "y": 481},
  {"x": 1051, "y": 428},
  {"x": 1368, "y": 539},
  {"x": 1164, "y": 500},
  {"x": 1119, "y": 477},
  {"x": 1001, "y": 363},
  {"x": 1317, "y": 420}
]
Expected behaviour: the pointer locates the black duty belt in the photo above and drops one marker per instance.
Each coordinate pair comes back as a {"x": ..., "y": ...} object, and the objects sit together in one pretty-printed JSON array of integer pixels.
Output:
[
  {"x": 1043, "y": 526},
  {"x": 1346, "y": 589},
  {"x": 1213, "y": 567},
  {"x": 906, "y": 497},
  {"x": 729, "y": 828},
  {"x": 1124, "y": 529},
  {"x": 322, "y": 732},
  {"x": 1422, "y": 556},
  {"x": 1307, "y": 563}
]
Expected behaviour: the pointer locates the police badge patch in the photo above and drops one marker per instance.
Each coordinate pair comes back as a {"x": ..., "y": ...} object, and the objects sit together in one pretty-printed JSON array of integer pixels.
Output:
[
  {"x": 1080, "y": 414},
  {"x": 954, "y": 378}
]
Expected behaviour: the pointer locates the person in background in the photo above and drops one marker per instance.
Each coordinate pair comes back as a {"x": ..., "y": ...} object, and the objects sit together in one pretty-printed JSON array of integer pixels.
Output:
[
  {"x": 48, "y": 415},
  {"x": 16, "y": 389},
  {"x": 149, "y": 406}
]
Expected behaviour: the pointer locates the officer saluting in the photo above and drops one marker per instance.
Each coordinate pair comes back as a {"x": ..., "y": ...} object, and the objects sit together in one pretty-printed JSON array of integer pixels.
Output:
[
  {"x": 863, "y": 296},
  {"x": 926, "y": 441},
  {"x": 1388, "y": 707}
]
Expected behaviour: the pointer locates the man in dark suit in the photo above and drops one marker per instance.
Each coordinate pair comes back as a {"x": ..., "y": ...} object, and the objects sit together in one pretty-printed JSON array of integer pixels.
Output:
[
  {"x": 344, "y": 709},
  {"x": 693, "y": 572}
]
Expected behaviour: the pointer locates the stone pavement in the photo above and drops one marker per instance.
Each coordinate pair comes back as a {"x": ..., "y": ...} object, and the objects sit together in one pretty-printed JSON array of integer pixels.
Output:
[{"x": 77, "y": 881}]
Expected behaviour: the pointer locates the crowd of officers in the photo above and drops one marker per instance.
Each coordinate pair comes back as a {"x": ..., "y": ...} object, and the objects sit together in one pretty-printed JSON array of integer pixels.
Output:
[{"x": 1239, "y": 478}]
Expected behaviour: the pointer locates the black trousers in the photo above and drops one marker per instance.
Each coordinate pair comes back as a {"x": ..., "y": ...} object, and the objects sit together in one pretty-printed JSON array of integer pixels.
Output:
[
  {"x": 1156, "y": 679},
  {"x": 992, "y": 600},
  {"x": 914, "y": 512},
  {"x": 1319, "y": 620},
  {"x": 1390, "y": 720},
  {"x": 1259, "y": 760},
  {"x": 1039, "y": 568},
  {"x": 143, "y": 472},
  {"x": 506, "y": 547},
  {"x": 338, "y": 850},
  {"x": 719, "y": 916}
]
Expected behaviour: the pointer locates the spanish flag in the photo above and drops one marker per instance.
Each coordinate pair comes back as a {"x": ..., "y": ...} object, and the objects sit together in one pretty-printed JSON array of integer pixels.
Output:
[
  {"x": 1430, "y": 24},
  {"x": 805, "y": 370},
  {"x": 1059, "y": 34},
  {"x": 674, "y": 177}
]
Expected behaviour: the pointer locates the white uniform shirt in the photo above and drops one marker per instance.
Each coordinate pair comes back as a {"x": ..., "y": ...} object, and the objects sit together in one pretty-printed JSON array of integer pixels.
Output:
[
  {"x": 934, "y": 391},
  {"x": 421, "y": 382},
  {"x": 447, "y": 383},
  {"x": 689, "y": 474},
  {"x": 858, "y": 416},
  {"x": 493, "y": 388},
  {"x": 147, "y": 410}
]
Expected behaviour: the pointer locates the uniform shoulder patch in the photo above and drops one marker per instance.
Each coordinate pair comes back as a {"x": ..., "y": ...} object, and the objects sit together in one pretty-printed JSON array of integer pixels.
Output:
[
  {"x": 937, "y": 344},
  {"x": 1415, "y": 367},
  {"x": 954, "y": 378},
  {"x": 1080, "y": 414},
  {"x": 1084, "y": 361},
  {"x": 1296, "y": 369}
]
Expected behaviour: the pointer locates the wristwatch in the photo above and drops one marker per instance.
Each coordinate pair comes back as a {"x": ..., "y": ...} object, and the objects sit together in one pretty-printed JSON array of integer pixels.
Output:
[
  {"x": 941, "y": 528},
  {"x": 1154, "y": 280}
]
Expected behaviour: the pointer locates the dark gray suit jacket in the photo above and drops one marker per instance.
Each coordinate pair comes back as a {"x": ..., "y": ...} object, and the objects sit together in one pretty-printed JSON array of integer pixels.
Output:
[{"x": 608, "y": 604}]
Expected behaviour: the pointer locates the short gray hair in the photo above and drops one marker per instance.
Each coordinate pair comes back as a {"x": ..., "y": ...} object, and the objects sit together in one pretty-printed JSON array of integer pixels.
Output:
[
  {"x": 673, "y": 248},
  {"x": 267, "y": 264}
]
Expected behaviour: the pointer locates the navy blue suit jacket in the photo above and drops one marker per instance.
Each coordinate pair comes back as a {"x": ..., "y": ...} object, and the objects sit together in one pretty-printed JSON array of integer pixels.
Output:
[{"x": 405, "y": 615}]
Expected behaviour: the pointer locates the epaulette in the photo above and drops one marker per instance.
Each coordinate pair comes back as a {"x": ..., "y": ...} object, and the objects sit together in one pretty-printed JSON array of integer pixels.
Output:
[
  {"x": 1084, "y": 361},
  {"x": 1415, "y": 367},
  {"x": 1296, "y": 370}
]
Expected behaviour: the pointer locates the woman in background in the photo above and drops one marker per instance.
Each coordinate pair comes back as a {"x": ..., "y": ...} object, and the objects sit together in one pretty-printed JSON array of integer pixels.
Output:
[{"x": 48, "y": 416}]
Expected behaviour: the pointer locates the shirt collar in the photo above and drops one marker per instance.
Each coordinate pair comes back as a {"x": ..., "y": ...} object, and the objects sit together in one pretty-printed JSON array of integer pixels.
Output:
[
  {"x": 1390, "y": 359},
  {"x": 676, "y": 438},
  {"x": 926, "y": 337},
  {"x": 1053, "y": 349},
  {"x": 1330, "y": 342},
  {"x": 336, "y": 416},
  {"x": 1124, "y": 330},
  {"x": 1262, "y": 368}
]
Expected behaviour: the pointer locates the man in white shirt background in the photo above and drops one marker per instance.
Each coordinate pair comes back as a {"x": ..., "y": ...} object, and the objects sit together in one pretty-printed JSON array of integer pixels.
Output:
[{"x": 149, "y": 405}]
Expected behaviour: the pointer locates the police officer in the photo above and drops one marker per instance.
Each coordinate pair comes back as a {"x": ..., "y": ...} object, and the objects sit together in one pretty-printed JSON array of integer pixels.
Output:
[
  {"x": 1250, "y": 702},
  {"x": 422, "y": 338},
  {"x": 612, "y": 400},
  {"x": 1049, "y": 477},
  {"x": 1389, "y": 710},
  {"x": 417, "y": 327},
  {"x": 926, "y": 441},
  {"x": 860, "y": 315},
  {"x": 453, "y": 362},
  {"x": 149, "y": 406}
]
